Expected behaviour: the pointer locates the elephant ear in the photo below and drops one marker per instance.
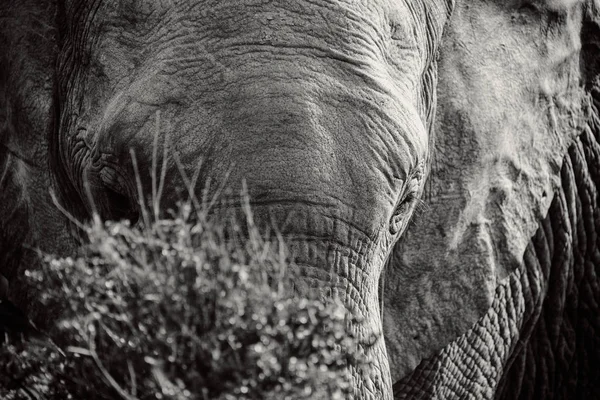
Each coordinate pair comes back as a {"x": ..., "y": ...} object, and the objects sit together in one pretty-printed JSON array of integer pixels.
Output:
[
  {"x": 510, "y": 108},
  {"x": 590, "y": 49},
  {"x": 590, "y": 62},
  {"x": 522, "y": 333},
  {"x": 28, "y": 41}
]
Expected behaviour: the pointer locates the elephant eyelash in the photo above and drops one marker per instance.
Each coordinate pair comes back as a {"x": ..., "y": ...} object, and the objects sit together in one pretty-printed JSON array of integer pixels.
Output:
[{"x": 413, "y": 200}]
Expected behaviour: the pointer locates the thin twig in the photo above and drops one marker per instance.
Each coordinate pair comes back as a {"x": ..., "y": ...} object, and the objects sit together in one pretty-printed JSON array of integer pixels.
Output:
[
  {"x": 140, "y": 189},
  {"x": 115, "y": 385},
  {"x": 163, "y": 172},
  {"x": 65, "y": 212},
  {"x": 188, "y": 183},
  {"x": 155, "y": 200},
  {"x": 132, "y": 378}
]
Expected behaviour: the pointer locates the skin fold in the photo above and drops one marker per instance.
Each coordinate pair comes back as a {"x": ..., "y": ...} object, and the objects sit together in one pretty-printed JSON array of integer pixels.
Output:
[{"x": 338, "y": 116}]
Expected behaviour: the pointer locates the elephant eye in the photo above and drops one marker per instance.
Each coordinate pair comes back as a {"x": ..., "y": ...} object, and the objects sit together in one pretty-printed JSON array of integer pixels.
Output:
[
  {"x": 407, "y": 203},
  {"x": 402, "y": 213},
  {"x": 115, "y": 202},
  {"x": 405, "y": 207}
]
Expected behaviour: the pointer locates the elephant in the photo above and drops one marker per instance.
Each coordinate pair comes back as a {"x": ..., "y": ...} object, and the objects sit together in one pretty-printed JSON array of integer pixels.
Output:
[{"x": 431, "y": 163}]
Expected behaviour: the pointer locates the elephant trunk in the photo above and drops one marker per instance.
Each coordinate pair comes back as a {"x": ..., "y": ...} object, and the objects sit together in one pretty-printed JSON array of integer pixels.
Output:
[{"x": 333, "y": 259}]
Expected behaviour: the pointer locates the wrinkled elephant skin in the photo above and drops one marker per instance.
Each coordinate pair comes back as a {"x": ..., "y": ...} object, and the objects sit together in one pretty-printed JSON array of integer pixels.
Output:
[
  {"x": 514, "y": 93},
  {"x": 322, "y": 109},
  {"x": 338, "y": 116}
]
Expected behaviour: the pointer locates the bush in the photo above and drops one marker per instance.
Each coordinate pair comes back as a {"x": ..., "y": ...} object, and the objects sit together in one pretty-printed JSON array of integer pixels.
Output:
[{"x": 179, "y": 310}]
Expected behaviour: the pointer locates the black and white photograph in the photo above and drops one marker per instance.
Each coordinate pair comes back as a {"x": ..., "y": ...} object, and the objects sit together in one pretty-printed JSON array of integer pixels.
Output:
[{"x": 299, "y": 199}]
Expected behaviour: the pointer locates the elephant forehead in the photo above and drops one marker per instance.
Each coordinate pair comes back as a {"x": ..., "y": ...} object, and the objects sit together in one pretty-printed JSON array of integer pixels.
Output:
[
  {"x": 119, "y": 37},
  {"x": 226, "y": 17},
  {"x": 219, "y": 62}
]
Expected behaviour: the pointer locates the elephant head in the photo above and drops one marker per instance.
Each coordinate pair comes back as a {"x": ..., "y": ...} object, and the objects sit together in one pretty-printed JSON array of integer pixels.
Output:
[
  {"x": 324, "y": 109},
  {"x": 327, "y": 110}
]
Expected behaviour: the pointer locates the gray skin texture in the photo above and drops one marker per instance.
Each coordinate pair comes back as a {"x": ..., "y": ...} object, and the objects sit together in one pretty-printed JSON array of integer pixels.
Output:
[
  {"x": 322, "y": 108},
  {"x": 516, "y": 156},
  {"x": 327, "y": 110}
]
